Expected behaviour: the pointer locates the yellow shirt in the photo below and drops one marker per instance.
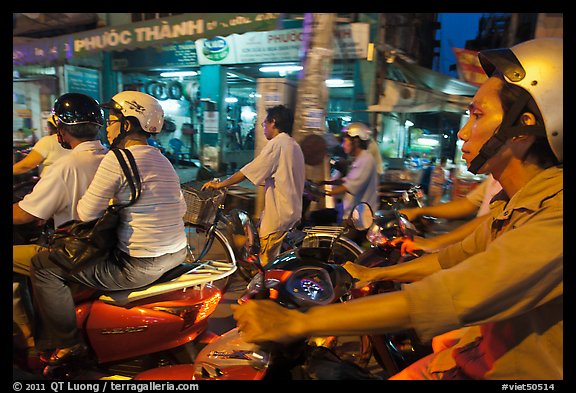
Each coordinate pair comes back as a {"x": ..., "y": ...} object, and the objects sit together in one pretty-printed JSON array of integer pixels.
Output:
[{"x": 505, "y": 280}]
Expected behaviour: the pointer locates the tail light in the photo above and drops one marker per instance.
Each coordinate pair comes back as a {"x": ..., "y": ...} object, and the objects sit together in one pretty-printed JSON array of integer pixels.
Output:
[{"x": 193, "y": 314}]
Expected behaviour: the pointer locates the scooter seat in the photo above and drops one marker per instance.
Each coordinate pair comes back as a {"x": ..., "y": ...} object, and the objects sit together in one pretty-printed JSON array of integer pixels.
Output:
[{"x": 182, "y": 276}]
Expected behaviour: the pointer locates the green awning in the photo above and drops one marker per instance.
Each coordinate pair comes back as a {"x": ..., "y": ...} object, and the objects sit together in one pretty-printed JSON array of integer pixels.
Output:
[{"x": 155, "y": 32}]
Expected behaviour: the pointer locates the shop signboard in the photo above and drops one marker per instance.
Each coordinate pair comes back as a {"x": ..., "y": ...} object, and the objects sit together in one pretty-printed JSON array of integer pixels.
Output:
[
  {"x": 155, "y": 32},
  {"x": 211, "y": 122},
  {"x": 469, "y": 68},
  {"x": 180, "y": 55},
  {"x": 351, "y": 42},
  {"x": 82, "y": 80}
]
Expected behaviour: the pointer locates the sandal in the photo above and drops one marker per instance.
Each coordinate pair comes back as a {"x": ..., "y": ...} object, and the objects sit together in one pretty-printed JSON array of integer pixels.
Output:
[{"x": 63, "y": 355}]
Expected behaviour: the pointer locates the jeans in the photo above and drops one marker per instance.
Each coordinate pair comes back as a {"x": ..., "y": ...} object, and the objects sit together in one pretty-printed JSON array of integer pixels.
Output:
[{"x": 53, "y": 298}]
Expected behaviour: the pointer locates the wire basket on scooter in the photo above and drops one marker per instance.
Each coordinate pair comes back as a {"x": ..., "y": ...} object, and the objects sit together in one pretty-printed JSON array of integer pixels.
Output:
[{"x": 201, "y": 205}]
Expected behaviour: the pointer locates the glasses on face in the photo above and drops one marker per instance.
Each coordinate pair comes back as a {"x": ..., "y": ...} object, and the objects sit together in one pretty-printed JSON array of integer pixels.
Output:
[{"x": 109, "y": 122}]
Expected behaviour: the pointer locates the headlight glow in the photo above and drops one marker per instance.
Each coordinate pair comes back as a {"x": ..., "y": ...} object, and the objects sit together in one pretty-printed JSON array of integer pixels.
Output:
[{"x": 375, "y": 236}]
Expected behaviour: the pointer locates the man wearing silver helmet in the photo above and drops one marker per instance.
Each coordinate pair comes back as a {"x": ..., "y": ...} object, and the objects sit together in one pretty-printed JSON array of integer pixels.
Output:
[{"x": 504, "y": 282}]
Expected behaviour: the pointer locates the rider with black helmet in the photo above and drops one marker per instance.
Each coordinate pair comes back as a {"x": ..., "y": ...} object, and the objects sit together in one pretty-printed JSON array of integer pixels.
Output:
[{"x": 78, "y": 119}]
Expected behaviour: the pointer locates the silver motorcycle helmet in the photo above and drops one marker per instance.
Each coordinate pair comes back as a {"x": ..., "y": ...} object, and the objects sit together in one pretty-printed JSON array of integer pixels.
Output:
[{"x": 537, "y": 67}]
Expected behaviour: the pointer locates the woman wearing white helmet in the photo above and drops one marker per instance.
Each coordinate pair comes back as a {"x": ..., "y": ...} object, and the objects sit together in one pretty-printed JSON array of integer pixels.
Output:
[
  {"x": 151, "y": 237},
  {"x": 504, "y": 282},
  {"x": 361, "y": 181}
]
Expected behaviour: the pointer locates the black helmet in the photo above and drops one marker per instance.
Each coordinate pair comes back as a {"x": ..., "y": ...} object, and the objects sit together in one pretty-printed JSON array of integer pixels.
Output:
[{"x": 77, "y": 108}]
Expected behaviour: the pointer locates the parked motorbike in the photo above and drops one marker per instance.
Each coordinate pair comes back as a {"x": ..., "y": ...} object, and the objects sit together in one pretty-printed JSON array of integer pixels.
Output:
[
  {"x": 133, "y": 330},
  {"x": 299, "y": 278}
]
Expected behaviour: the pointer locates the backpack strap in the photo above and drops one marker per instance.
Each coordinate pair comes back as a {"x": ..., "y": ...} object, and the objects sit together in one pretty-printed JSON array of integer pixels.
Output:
[{"x": 132, "y": 175}]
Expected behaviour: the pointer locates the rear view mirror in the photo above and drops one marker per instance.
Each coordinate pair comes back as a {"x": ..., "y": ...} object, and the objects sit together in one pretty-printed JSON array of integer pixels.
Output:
[{"x": 362, "y": 216}]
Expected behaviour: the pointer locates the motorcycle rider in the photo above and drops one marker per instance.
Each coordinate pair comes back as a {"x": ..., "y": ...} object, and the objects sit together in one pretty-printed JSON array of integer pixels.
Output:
[
  {"x": 78, "y": 120},
  {"x": 475, "y": 202},
  {"x": 151, "y": 236},
  {"x": 505, "y": 280},
  {"x": 43, "y": 154},
  {"x": 361, "y": 181},
  {"x": 56, "y": 194}
]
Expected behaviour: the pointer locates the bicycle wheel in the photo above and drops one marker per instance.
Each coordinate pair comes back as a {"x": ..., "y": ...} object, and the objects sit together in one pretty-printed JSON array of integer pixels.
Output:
[{"x": 220, "y": 252}]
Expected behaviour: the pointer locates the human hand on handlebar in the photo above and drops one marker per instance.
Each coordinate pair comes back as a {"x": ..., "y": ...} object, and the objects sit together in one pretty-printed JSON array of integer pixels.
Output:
[
  {"x": 412, "y": 213},
  {"x": 412, "y": 246},
  {"x": 261, "y": 321},
  {"x": 362, "y": 274},
  {"x": 214, "y": 184}
]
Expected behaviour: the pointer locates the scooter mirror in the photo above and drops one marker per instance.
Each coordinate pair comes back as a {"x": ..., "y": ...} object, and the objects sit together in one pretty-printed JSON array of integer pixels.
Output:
[{"x": 362, "y": 216}]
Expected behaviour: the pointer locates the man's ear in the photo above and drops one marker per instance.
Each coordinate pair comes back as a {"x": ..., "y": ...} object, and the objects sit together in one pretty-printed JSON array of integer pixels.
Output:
[{"x": 528, "y": 119}]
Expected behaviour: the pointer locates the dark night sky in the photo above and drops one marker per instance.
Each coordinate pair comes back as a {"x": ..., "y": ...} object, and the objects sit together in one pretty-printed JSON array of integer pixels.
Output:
[{"x": 456, "y": 29}]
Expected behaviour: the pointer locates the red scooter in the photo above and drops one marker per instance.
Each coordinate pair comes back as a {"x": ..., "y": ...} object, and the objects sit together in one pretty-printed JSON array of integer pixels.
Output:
[
  {"x": 130, "y": 331},
  {"x": 133, "y": 330}
]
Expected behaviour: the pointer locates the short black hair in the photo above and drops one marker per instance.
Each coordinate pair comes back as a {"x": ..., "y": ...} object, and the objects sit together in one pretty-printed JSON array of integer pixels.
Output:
[
  {"x": 82, "y": 131},
  {"x": 282, "y": 116}
]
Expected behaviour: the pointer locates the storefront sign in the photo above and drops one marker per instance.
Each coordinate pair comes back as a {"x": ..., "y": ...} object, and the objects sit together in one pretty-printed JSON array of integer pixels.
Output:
[
  {"x": 82, "y": 80},
  {"x": 181, "y": 55},
  {"x": 469, "y": 68},
  {"x": 178, "y": 28},
  {"x": 211, "y": 122},
  {"x": 350, "y": 41}
]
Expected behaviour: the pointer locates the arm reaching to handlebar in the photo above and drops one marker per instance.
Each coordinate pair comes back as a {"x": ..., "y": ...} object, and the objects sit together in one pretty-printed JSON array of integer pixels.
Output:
[
  {"x": 217, "y": 184},
  {"x": 436, "y": 243},
  {"x": 413, "y": 270},
  {"x": 264, "y": 320}
]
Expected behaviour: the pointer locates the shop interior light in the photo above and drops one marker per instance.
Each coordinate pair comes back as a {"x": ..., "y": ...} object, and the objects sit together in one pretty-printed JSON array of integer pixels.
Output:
[
  {"x": 231, "y": 100},
  {"x": 339, "y": 83},
  {"x": 281, "y": 69},
  {"x": 170, "y": 106},
  {"x": 173, "y": 74},
  {"x": 427, "y": 142}
]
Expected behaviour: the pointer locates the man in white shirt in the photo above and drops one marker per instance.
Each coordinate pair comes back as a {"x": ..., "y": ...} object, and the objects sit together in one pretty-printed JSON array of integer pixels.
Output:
[
  {"x": 78, "y": 118},
  {"x": 280, "y": 169},
  {"x": 56, "y": 194}
]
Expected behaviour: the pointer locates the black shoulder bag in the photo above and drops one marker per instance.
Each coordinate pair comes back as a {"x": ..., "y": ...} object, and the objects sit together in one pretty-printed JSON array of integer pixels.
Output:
[{"x": 76, "y": 245}]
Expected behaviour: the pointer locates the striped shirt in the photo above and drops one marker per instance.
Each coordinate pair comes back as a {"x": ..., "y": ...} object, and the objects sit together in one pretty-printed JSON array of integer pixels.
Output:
[{"x": 151, "y": 227}]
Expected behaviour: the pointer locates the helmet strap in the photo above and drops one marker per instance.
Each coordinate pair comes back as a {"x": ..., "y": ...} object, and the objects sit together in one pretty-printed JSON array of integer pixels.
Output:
[
  {"x": 506, "y": 131},
  {"x": 61, "y": 140},
  {"x": 120, "y": 137}
]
